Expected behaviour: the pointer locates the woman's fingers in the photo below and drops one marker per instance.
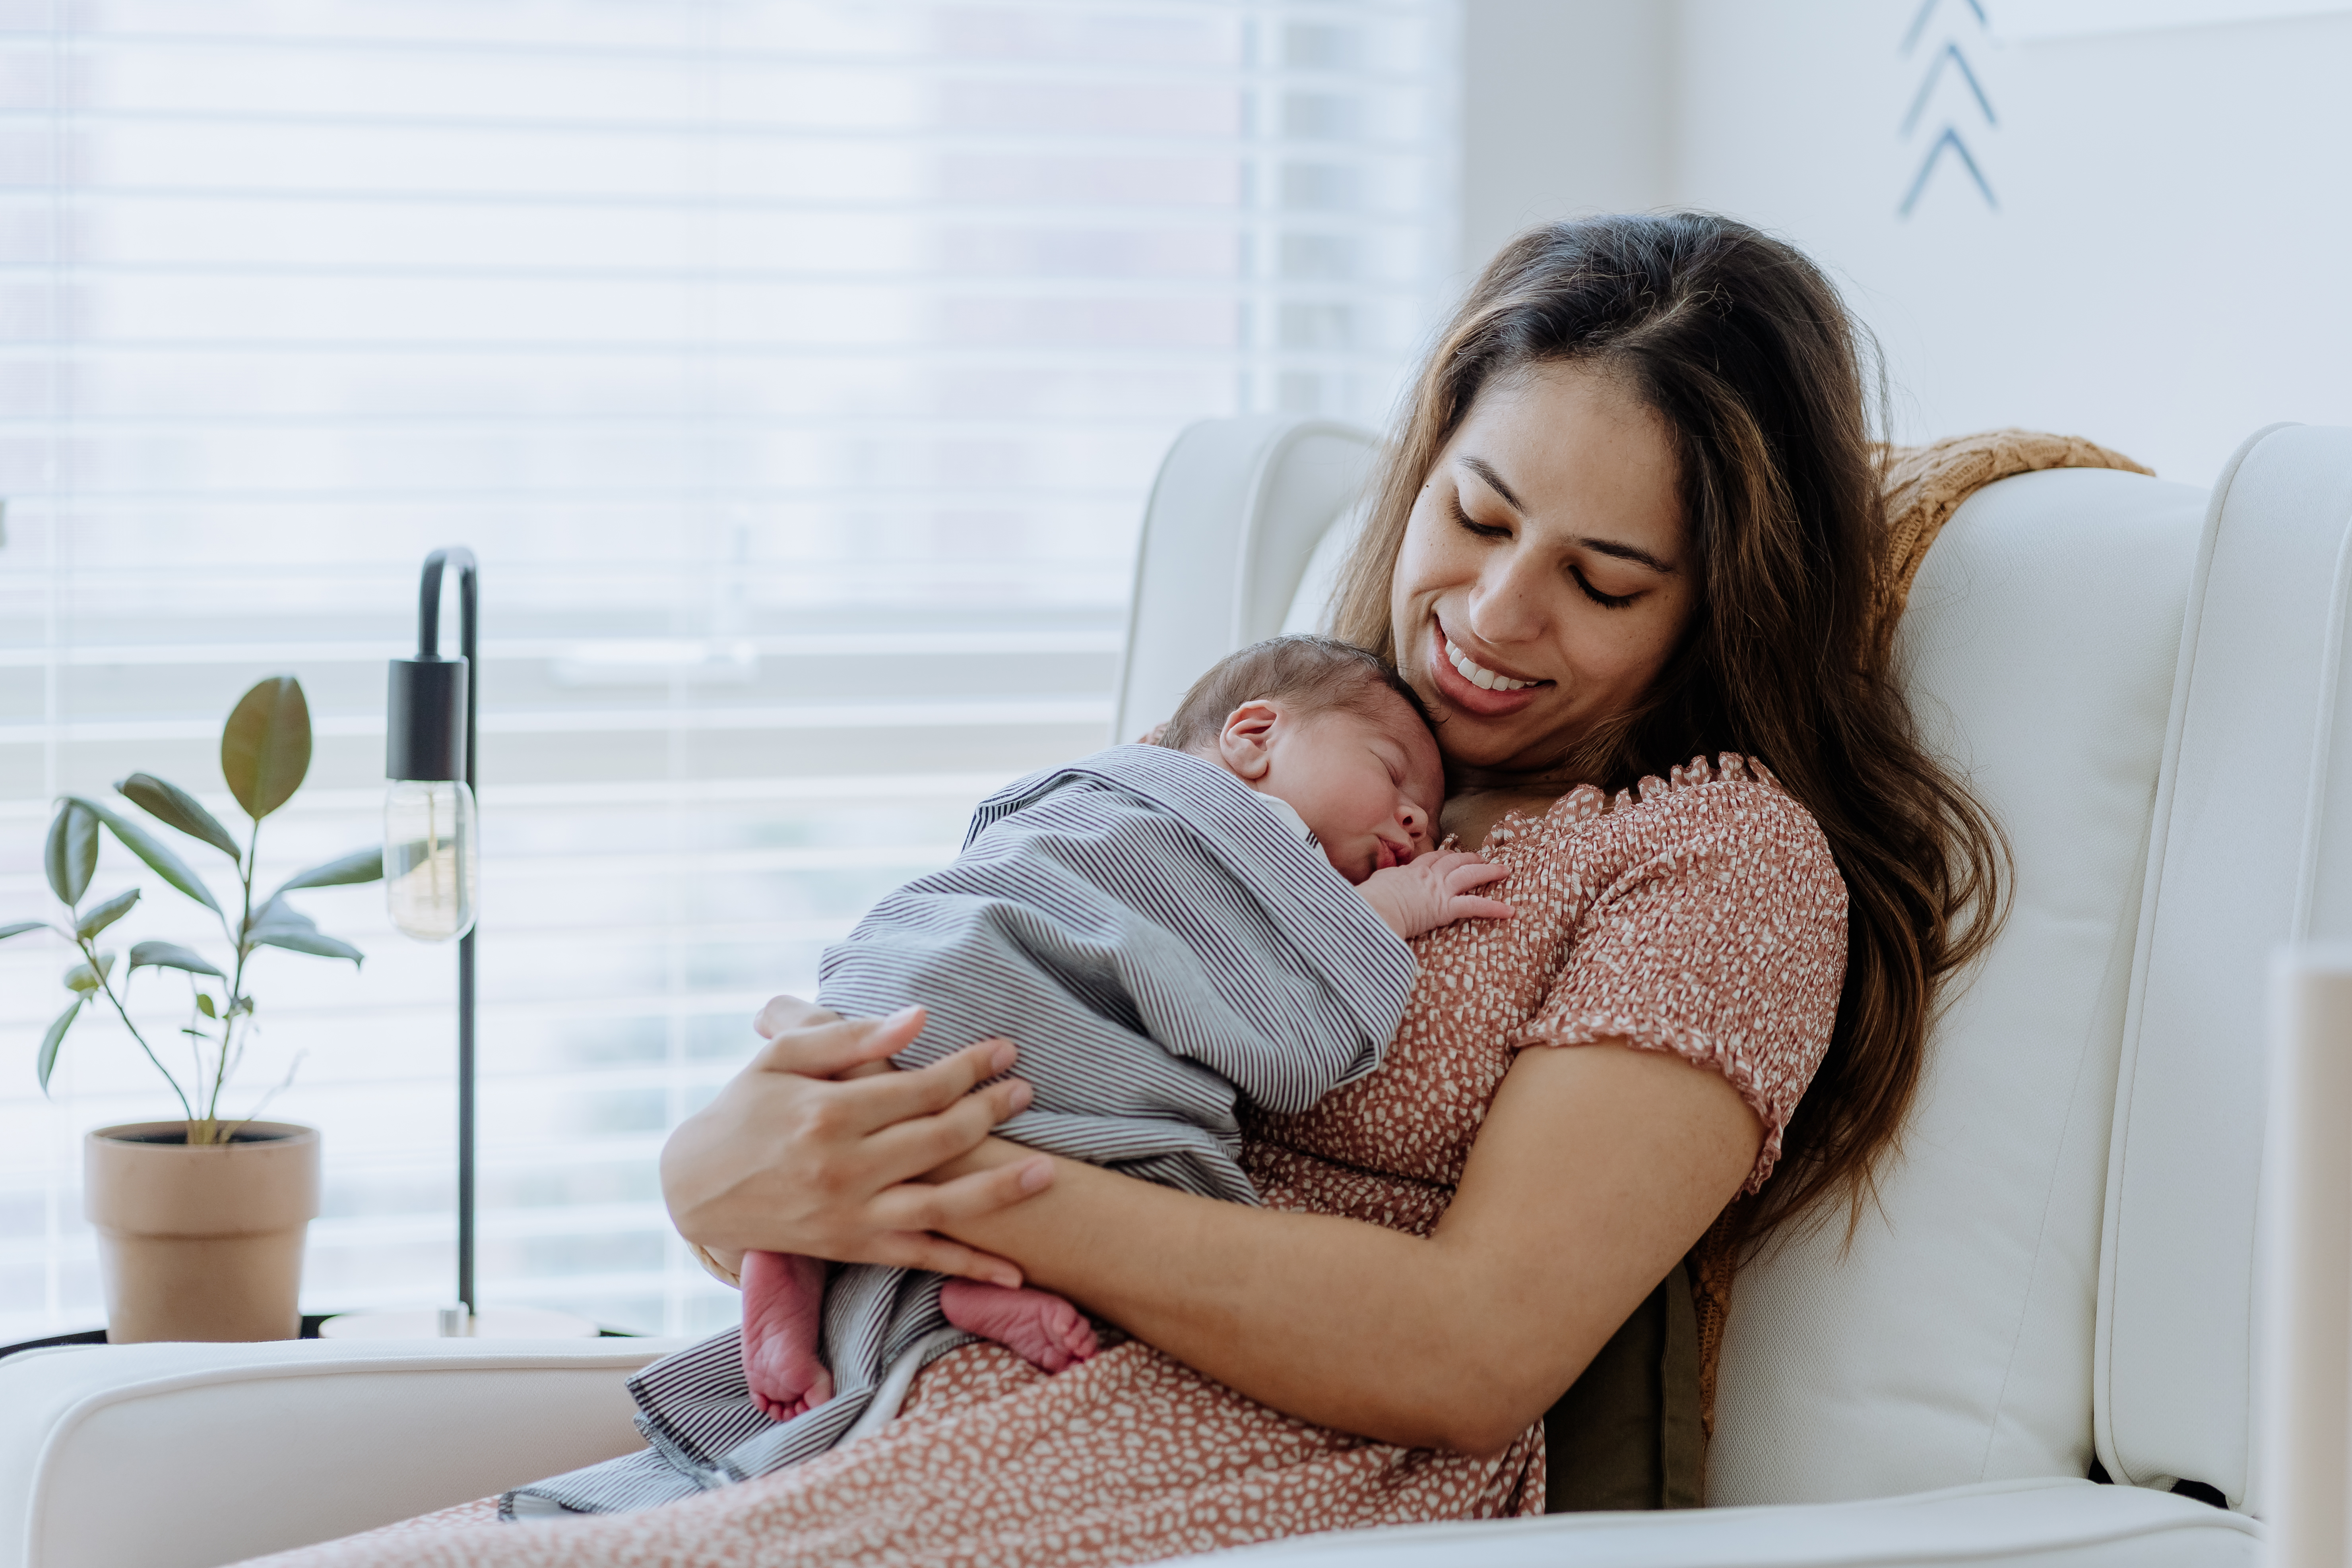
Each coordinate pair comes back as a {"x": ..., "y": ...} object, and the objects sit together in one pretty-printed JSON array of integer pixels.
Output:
[
  {"x": 824, "y": 1049},
  {"x": 921, "y": 1143},
  {"x": 921, "y": 1249},
  {"x": 918, "y": 1205},
  {"x": 784, "y": 1013},
  {"x": 924, "y": 1091}
]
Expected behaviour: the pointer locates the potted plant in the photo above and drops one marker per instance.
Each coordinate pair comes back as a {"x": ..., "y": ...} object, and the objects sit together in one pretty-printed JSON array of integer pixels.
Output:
[{"x": 200, "y": 1220}]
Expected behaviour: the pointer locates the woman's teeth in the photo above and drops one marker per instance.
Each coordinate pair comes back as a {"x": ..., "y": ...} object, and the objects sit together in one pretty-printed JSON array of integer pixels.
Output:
[{"x": 1478, "y": 674}]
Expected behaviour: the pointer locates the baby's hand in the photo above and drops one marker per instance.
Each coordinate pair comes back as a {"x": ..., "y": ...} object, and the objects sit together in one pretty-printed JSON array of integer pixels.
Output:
[{"x": 1435, "y": 891}]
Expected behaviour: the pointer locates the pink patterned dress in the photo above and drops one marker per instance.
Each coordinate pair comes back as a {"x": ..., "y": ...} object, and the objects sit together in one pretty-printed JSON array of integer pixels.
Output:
[{"x": 1705, "y": 918}]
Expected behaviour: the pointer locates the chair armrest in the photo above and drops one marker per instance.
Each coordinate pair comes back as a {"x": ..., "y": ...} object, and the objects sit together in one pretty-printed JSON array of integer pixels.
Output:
[
  {"x": 189, "y": 1456},
  {"x": 2054, "y": 1523}
]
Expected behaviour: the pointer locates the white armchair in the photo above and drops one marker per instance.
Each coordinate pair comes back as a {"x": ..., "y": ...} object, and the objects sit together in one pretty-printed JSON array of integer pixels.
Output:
[{"x": 2143, "y": 683}]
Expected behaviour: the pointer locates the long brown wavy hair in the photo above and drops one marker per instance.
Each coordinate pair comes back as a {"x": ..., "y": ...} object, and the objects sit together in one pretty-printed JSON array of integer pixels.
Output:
[{"x": 1745, "y": 349}]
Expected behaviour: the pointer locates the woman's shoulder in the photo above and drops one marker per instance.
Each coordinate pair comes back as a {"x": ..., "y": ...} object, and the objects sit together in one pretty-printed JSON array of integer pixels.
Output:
[{"x": 1731, "y": 810}]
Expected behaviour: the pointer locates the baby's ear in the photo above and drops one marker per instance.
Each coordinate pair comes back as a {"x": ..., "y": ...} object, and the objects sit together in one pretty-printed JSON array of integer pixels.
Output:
[{"x": 1245, "y": 743}]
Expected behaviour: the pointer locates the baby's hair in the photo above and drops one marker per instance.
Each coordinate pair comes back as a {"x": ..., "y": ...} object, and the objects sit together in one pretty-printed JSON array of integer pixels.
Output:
[{"x": 1314, "y": 674}]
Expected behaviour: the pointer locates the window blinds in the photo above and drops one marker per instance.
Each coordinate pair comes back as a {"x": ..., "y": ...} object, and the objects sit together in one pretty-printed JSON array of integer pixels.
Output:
[{"x": 797, "y": 371}]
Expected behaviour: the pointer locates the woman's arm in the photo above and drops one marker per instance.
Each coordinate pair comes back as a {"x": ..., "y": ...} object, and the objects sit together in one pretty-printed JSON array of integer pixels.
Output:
[{"x": 1595, "y": 1169}]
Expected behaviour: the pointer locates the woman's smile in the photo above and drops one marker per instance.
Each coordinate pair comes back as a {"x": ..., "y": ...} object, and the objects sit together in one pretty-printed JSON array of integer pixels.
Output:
[{"x": 1467, "y": 684}]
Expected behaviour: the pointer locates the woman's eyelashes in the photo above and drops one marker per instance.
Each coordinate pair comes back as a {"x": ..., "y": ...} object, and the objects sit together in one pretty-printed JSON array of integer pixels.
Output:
[
  {"x": 1606, "y": 600},
  {"x": 1482, "y": 529}
]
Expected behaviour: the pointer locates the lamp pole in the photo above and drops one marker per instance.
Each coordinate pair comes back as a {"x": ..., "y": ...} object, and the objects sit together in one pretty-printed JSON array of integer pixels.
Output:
[{"x": 469, "y": 651}]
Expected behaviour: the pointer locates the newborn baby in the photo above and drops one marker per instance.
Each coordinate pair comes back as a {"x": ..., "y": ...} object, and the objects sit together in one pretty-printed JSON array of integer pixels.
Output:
[{"x": 1333, "y": 746}]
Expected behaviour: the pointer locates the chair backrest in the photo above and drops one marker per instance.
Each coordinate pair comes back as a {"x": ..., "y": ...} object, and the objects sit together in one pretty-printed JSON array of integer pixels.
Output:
[
  {"x": 2252, "y": 848},
  {"x": 1237, "y": 510},
  {"x": 1952, "y": 1341},
  {"x": 2060, "y": 1265}
]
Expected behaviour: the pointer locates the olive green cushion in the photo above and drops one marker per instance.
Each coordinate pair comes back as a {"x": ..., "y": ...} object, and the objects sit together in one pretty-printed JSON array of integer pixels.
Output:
[{"x": 1627, "y": 1434}]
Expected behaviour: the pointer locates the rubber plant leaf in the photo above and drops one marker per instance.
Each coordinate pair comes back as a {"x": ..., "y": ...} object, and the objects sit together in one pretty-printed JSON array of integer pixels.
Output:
[
  {"x": 72, "y": 853},
  {"x": 171, "y": 956},
  {"x": 152, "y": 851},
  {"x": 53, "y": 1039},
  {"x": 21, "y": 927},
  {"x": 173, "y": 807},
  {"x": 266, "y": 745},
  {"x": 359, "y": 865},
  {"x": 81, "y": 978},
  {"x": 280, "y": 926},
  {"x": 105, "y": 915}
]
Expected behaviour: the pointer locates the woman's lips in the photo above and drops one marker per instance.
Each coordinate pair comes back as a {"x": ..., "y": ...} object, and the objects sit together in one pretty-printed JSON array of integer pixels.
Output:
[{"x": 1468, "y": 695}]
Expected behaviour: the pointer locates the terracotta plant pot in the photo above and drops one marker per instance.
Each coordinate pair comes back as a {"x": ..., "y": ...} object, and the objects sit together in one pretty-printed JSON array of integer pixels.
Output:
[{"x": 202, "y": 1242}]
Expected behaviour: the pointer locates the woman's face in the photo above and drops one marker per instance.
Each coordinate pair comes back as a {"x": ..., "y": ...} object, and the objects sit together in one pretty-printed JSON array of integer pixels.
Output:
[{"x": 1544, "y": 579}]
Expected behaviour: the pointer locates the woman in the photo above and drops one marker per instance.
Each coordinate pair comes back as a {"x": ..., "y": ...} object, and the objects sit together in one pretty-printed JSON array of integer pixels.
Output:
[{"x": 1632, "y": 521}]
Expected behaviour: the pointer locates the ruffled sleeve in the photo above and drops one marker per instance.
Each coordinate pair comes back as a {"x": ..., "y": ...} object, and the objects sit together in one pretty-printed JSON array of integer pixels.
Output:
[{"x": 1717, "y": 932}]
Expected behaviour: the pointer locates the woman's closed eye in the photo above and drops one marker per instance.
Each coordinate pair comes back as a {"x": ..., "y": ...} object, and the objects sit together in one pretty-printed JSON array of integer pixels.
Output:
[
  {"x": 1606, "y": 600},
  {"x": 1470, "y": 525}
]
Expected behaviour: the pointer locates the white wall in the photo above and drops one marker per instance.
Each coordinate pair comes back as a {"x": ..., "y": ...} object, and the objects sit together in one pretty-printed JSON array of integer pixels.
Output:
[
  {"x": 1563, "y": 110},
  {"x": 2165, "y": 270}
]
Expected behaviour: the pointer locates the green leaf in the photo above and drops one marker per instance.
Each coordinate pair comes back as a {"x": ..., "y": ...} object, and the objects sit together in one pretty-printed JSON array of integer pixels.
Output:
[
  {"x": 203, "y": 1002},
  {"x": 176, "y": 807},
  {"x": 152, "y": 850},
  {"x": 170, "y": 955},
  {"x": 105, "y": 915},
  {"x": 72, "y": 853},
  {"x": 266, "y": 745},
  {"x": 313, "y": 942},
  {"x": 81, "y": 978},
  {"x": 54, "y": 1039},
  {"x": 279, "y": 926},
  {"x": 21, "y": 927},
  {"x": 359, "y": 865}
]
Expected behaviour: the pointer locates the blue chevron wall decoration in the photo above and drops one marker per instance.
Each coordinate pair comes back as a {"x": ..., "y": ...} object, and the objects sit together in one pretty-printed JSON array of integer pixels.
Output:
[{"x": 1951, "y": 60}]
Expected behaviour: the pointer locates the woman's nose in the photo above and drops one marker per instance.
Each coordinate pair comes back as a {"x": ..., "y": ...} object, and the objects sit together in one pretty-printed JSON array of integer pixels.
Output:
[{"x": 1510, "y": 604}]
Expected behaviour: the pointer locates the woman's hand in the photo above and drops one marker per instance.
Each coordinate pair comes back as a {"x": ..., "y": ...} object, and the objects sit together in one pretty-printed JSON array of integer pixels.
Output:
[{"x": 803, "y": 1153}]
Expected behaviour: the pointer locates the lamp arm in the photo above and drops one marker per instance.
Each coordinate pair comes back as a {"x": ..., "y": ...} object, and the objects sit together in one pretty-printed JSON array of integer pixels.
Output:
[{"x": 428, "y": 607}]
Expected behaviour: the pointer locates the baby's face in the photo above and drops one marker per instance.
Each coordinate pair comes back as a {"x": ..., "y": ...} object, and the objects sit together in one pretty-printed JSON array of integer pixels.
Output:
[{"x": 1367, "y": 784}]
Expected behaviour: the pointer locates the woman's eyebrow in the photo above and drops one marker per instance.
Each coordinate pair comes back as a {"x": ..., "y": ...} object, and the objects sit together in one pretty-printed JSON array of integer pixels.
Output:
[
  {"x": 1627, "y": 553},
  {"x": 1485, "y": 470}
]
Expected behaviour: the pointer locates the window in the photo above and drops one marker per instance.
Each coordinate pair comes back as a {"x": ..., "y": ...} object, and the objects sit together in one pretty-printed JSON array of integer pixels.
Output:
[{"x": 796, "y": 369}]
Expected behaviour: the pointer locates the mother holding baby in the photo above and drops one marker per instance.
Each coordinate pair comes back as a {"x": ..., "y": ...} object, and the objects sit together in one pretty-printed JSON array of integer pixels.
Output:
[{"x": 1626, "y": 547}]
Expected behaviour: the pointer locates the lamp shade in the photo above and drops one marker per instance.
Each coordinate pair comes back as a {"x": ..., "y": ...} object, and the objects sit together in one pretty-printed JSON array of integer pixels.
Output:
[{"x": 424, "y": 719}]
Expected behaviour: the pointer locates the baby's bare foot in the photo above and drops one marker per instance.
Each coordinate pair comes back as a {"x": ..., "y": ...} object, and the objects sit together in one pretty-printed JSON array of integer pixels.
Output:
[
  {"x": 1042, "y": 1329},
  {"x": 783, "y": 1310}
]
